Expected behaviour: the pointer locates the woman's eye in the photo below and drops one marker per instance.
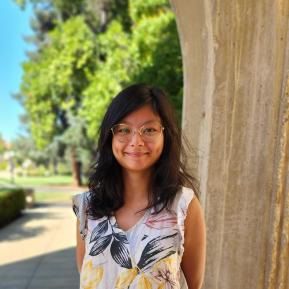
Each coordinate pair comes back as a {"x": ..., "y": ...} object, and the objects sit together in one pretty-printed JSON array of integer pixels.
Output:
[
  {"x": 149, "y": 130},
  {"x": 123, "y": 130}
]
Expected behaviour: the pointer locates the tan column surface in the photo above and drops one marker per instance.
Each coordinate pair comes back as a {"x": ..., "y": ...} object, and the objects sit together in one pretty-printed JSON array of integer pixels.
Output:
[{"x": 236, "y": 114}]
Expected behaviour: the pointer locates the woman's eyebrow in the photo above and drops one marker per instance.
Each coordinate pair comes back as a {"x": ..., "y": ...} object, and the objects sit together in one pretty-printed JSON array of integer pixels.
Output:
[{"x": 130, "y": 123}]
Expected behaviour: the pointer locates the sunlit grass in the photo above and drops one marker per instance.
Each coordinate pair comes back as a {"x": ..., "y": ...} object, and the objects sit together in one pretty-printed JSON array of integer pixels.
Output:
[
  {"x": 50, "y": 180},
  {"x": 52, "y": 197},
  {"x": 49, "y": 183}
]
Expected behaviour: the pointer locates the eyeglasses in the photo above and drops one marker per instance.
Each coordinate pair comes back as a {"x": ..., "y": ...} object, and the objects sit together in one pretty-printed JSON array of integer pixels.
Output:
[{"x": 149, "y": 132}]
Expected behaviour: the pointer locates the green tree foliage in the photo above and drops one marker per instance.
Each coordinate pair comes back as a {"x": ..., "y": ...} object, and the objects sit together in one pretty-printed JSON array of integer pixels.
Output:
[
  {"x": 2, "y": 144},
  {"x": 24, "y": 148},
  {"x": 158, "y": 52},
  {"x": 149, "y": 53},
  {"x": 109, "y": 77},
  {"x": 54, "y": 81},
  {"x": 87, "y": 51}
]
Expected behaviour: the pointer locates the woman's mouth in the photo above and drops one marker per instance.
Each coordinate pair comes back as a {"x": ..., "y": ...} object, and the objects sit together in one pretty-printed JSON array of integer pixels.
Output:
[{"x": 136, "y": 154}]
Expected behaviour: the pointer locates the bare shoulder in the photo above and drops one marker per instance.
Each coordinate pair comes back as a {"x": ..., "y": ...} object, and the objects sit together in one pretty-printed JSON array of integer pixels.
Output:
[
  {"x": 195, "y": 214},
  {"x": 193, "y": 262},
  {"x": 80, "y": 247}
]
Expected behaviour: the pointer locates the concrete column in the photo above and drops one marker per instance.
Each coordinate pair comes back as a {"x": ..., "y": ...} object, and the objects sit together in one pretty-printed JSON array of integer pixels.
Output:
[{"x": 236, "y": 114}]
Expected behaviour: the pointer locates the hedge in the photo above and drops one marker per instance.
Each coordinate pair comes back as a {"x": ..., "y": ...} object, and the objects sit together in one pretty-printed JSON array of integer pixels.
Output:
[{"x": 12, "y": 201}]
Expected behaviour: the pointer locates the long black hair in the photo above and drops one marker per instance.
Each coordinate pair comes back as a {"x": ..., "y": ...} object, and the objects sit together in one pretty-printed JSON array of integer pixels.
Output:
[{"x": 169, "y": 172}]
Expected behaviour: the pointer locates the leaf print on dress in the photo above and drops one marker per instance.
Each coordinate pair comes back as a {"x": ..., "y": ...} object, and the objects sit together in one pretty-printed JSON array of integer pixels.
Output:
[
  {"x": 120, "y": 253},
  {"x": 121, "y": 237},
  {"x": 118, "y": 248},
  {"x": 144, "y": 237},
  {"x": 100, "y": 245},
  {"x": 91, "y": 276},
  {"x": 155, "y": 249},
  {"x": 99, "y": 231},
  {"x": 75, "y": 210},
  {"x": 162, "y": 220}
]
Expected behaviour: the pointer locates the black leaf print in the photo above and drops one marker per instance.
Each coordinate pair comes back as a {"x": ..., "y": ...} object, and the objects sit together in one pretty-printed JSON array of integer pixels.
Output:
[
  {"x": 99, "y": 231},
  {"x": 167, "y": 255},
  {"x": 144, "y": 237},
  {"x": 121, "y": 237},
  {"x": 153, "y": 250},
  {"x": 75, "y": 210},
  {"x": 120, "y": 253},
  {"x": 100, "y": 245}
]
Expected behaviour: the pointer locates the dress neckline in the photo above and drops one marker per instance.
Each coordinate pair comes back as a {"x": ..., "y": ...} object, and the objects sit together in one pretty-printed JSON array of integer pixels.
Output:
[{"x": 139, "y": 221}]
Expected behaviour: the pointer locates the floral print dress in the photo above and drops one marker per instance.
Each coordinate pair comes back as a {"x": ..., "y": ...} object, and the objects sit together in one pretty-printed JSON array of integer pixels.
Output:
[{"x": 147, "y": 256}]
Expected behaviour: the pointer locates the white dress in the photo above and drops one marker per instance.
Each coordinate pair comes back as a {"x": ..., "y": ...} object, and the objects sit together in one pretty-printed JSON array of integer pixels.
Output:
[{"x": 148, "y": 255}]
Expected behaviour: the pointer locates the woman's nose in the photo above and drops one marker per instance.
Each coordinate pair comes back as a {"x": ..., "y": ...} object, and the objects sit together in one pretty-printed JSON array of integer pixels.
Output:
[{"x": 136, "y": 138}]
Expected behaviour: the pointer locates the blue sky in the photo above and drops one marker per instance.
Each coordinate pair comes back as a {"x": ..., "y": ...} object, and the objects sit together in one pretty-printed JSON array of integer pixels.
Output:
[{"x": 14, "y": 24}]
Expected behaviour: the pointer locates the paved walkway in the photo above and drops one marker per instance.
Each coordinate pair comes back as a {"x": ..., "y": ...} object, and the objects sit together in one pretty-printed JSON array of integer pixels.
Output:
[{"x": 37, "y": 251}]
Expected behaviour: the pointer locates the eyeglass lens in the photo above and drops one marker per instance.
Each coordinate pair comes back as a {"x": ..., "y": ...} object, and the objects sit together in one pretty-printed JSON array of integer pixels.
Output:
[{"x": 149, "y": 131}]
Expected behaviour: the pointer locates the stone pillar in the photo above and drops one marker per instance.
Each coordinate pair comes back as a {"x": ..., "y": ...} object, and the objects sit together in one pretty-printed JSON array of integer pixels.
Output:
[{"x": 236, "y": 114}]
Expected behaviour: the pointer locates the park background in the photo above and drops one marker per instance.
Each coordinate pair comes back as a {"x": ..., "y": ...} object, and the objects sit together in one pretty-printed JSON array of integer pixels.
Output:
[
  {"x": 235, "y": 113},
  {"x": 76, "y": 55},
  {"x": 68, "y": 62}
]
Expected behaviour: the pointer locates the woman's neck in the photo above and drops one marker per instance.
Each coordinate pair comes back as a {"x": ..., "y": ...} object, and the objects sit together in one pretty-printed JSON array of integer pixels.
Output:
[{"x": 136, "y": 187}]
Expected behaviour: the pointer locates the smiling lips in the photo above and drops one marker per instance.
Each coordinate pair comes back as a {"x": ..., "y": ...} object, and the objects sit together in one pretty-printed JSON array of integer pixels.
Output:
[{"x": 136, "y": 154}]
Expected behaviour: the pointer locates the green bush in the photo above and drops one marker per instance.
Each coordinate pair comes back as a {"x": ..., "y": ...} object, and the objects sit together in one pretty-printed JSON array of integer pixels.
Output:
[
  {"x": 3, "y": 166},
  {"x": 39, "y": 171},
  {"x": 12, "y": 201},
  {"x": 64, "y": 169}
]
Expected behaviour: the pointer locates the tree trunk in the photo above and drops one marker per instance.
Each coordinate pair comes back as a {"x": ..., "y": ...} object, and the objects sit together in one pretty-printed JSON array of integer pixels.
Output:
[
  {"x": 55, "y": 166},
  {"x": 76, "y": 168}
]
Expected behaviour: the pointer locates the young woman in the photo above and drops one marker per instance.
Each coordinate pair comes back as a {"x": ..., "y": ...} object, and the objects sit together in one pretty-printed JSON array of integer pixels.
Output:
[{"x": 140, "y": 225}]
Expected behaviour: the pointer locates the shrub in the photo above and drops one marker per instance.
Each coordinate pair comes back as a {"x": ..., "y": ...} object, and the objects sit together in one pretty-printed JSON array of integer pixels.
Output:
[
  {"x": 64, "y": 169},
  {"x": 39, "y": 171},
  {"x": 12, "y": 201},
  {"x": 3, "y": 165}
]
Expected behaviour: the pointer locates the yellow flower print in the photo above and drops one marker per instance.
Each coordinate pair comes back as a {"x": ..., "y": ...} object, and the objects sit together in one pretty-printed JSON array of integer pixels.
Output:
[
  {"x": 144, "y": 282},
  {"x": 169, "y": 262},
  {"x": 125, "y": 278},
  {"x": 161, "y": 285},
  {"x": 91, "y": 276}
]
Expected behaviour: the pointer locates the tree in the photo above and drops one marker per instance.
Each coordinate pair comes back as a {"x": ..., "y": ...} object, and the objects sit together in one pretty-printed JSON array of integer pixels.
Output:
[
  {"x": 58, "y": 70},
  {"x": 155, "y": 38},
  {"x": 54, "y": 81},
  {"x": 109, "y": 77},
  {"x": 85, "y": 56},
  {"x": 149, "y": 52},
  {"x": 2, "y": 144}
]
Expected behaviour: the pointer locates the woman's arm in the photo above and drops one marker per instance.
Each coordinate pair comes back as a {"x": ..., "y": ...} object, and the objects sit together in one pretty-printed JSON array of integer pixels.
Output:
[
  {"x": 193, "y": 262},
  {"x": 80, "y": 247}
]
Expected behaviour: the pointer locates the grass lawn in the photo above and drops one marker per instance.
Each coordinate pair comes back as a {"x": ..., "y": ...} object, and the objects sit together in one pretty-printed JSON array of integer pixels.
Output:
[
  {"x": 52, "y": 197},
  {"x": 47, "y": 197},
  {"x": 51, "y": 180},
  {"x": 43, "y": 195}
]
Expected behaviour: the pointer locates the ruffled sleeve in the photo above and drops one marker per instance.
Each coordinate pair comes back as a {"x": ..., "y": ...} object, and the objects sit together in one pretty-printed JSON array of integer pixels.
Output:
[{"x": 79, "y": 206}]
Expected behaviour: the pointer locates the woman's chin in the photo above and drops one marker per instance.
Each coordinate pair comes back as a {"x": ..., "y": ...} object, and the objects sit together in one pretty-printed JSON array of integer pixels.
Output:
[{"x": 136, "y": 169}]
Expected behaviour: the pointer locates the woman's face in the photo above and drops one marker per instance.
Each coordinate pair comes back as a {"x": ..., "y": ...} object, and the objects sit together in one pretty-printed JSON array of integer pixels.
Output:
[{"x": 137, "y": 154}]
